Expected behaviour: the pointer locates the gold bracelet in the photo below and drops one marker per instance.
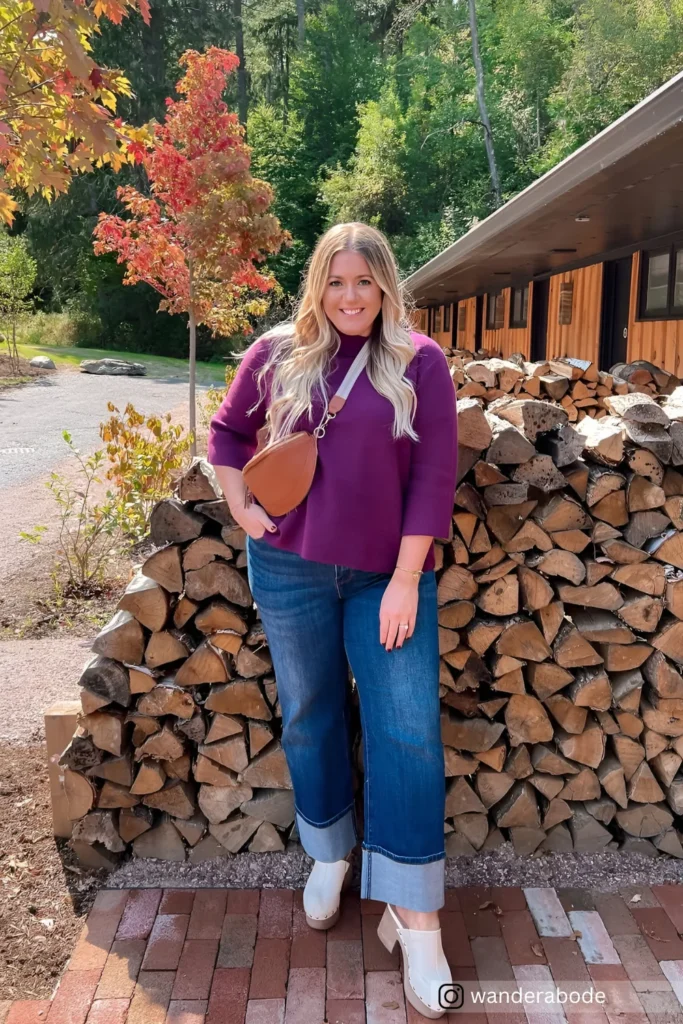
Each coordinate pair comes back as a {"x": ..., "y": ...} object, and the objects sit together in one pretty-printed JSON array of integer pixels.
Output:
[{"x": 415, "y": 573}]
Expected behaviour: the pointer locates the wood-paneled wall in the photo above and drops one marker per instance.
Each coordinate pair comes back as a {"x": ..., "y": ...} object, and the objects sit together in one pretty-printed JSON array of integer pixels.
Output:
[
  {"x": 465, "y": 338},
  {"x": 444, "y": 338},
  {"x": 658, "y": 341},
  {"x": 506, "y": 339},
  {"x": 419, "y": 320},
  {"x": 420, "y": 323},
  {"x": 580, "y": 338}
]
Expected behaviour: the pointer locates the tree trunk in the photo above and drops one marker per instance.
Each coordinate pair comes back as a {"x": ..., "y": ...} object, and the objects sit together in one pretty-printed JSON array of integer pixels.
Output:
[
  {"x": 14, "y": 354},
  {"x": 481, "y": 102},
  {"x": 242, "y": 101},
  {"x": 301, "y": 19},
  {"x": 153, "y": 37},
  {"x": 193, "y": 369}
]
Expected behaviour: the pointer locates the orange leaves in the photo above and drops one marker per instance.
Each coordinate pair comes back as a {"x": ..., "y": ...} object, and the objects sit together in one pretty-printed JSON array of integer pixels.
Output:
[
  {"x": 116, "y": 10},
  {"x": 52, "y": 94},
  {"x": 205, "y": 209},
  {"x": 7, "y": 208}
]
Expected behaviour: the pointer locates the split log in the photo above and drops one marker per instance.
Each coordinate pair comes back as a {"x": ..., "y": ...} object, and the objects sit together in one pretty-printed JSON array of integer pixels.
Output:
[
  {"x": 80, "y": 793},
  {"x": 147, "y": 600},
  {"x": 473, "y": 428},
  {"x": 107, "y": 679},
  {"x": 165, "y": 567},
  {"x": 122, "y": 639},
  {"x": 526, "y": 720}
]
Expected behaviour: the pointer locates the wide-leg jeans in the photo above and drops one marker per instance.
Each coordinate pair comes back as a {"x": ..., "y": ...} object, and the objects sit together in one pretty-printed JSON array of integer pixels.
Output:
[{"x": 318, "y": 619}]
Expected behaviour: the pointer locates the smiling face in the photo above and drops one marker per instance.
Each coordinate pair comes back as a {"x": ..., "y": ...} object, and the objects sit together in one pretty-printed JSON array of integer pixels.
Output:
[{"x": 352, "y": 298}]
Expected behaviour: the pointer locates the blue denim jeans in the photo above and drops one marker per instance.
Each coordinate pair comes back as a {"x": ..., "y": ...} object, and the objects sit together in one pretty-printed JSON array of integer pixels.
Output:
[{"x": 318, "y": 619}]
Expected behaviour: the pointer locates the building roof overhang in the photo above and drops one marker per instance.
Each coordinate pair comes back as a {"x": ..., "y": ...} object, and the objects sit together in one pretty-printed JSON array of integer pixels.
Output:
[{"x": 619, "y": 189}]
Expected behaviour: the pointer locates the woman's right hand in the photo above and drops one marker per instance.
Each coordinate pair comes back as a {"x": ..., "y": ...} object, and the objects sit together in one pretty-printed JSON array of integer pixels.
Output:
[{"x": 254, "y": 520}]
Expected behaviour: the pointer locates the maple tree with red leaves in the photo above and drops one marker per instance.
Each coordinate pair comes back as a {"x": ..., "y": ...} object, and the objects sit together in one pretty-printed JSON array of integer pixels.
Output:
[
  {"x": 197, "y": 237},
  {"x": 56, "y": 104}
]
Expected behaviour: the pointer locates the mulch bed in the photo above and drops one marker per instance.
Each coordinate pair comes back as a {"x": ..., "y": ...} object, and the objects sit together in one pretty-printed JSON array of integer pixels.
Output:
[
  {"x": 44, "y": 895},
  {"x": 8, "y": 375},
  {"x": 31, "y": 610}
]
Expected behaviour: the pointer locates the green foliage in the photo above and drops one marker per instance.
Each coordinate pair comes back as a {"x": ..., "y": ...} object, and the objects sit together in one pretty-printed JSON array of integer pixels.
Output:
[
  {"x": 620, "y": 52},
  {"x": 55, "y": 329},
  {"x": 213, "y": 397},
  {"x": 141, "y": 459},
  {"x": 17, "y": 278},
  {"x": 374, "y": 117},
  {"x": 145, "y": 455}
]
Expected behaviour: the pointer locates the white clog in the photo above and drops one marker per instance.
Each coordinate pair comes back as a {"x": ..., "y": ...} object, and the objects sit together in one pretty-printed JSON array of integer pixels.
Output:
[
  {"x": 425, "y": 968},
  {"x": 323, "y": 892}
]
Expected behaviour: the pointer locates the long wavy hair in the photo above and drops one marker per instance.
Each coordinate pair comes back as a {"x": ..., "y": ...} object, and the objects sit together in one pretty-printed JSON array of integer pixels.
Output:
[{"x": 304, "y": 345}]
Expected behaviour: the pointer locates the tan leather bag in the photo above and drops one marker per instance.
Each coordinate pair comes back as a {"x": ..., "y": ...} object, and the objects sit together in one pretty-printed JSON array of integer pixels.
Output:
[{"x": 280, "y": 475}]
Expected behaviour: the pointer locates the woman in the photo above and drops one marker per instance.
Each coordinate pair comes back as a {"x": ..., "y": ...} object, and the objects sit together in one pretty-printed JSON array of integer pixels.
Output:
[{"x": 349, "y": 574}]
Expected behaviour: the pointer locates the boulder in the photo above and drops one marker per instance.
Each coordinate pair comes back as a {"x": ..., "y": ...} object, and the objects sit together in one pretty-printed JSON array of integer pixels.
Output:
[
  {"x": 117, "y": 367},
  {"x": 43, "y": 362}
]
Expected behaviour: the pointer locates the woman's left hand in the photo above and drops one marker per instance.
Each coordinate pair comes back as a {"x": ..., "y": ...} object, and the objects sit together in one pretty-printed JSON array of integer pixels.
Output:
[{"x": 399, "y": 604}]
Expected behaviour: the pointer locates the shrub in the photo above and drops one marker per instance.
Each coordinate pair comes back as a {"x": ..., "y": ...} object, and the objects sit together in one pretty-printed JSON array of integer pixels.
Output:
[
  {"x": 57, "y": 329},
  {"x": 89, "y": 532},
  {"x": 145, "y": 457},
  {"x": 214, "y": 396},
  {"x": 142, "y": 458}
]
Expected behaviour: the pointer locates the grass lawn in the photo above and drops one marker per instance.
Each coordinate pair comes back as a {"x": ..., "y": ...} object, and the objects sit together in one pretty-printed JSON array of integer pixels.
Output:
[{"x": 159, "y": 367}]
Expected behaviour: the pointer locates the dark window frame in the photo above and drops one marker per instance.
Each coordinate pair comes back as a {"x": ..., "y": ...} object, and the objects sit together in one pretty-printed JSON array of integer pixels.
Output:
[
  {"x": 447, "y": 318},
  {"x": 671, "y": 312},
  {"x": 519, "y": 324},
  {"x": 491, "y": 302}
]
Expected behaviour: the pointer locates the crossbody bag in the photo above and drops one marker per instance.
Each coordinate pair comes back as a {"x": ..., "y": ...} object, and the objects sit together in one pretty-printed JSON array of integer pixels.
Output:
[{"x": 280, "y": 475}]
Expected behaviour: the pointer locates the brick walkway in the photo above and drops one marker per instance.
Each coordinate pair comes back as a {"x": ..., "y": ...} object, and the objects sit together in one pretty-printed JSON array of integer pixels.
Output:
[{"x": 221, "y": 956}]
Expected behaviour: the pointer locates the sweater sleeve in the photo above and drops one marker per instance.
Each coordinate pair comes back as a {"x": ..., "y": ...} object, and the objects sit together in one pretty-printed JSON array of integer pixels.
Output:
[
  {"x": 232, "y": 431},
  {"x": 428, "y": 501}
]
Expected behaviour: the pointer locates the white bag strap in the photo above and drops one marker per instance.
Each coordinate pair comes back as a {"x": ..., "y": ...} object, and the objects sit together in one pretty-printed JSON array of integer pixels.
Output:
[
  {"x": 354, "y": 372},
  {"x": 342, "y": 392}
]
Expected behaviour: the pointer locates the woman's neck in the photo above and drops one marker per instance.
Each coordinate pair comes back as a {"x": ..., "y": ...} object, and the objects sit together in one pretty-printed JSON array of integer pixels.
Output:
[{"x": 351, "y": 343}]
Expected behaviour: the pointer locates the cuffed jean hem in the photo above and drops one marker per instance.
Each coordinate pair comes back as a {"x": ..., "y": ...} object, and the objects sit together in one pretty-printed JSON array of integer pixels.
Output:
[
  {"x": 329, "y": 842},
  {"x": 413, "y": 886}
]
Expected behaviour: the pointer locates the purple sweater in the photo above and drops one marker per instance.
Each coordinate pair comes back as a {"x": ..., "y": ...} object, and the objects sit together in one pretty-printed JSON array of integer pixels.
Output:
[{"x": 369, "y": 490}]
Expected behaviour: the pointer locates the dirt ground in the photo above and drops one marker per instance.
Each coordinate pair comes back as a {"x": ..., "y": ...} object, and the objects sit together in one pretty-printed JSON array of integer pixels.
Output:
[
  {"x": 8, "y": 375},
  {"x": 45, "y": 895},
  {"x": 31, "y": 605}
]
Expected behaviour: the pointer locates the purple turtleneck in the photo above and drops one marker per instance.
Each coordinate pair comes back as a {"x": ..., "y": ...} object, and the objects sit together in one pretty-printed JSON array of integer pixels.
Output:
[{"x": 369, "y": 490}]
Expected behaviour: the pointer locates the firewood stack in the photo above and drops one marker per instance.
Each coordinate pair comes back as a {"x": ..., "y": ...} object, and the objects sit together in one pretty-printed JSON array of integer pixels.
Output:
[
  {"x": 560, "y": 595},
  {"x": 561, "y": 609},
  {"x": 177, "y": 753}
]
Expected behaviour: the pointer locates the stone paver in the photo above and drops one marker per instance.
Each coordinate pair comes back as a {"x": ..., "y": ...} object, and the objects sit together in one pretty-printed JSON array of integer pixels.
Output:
[{"x": 179, "y": 956}]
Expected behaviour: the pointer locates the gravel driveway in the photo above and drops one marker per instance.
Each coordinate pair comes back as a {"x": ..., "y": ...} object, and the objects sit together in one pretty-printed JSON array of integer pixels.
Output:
[
  {"x": 31, "y": 446},
  {"x": 36, "y": 672},
  {"x": 32, "y": 417}
]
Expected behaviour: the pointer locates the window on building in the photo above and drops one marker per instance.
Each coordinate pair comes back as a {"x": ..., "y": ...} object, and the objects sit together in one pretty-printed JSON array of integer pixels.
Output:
[
  {"x": 462, "y": 316},
  {"x": 447, "y": 317},
  {"x": 661, "y": 283},
  {"x": 566, "y": 303},
  {"x": 519, "y": 306},
  {"x": 438, "y": 320},
  {"x": 495, "y": 310}
]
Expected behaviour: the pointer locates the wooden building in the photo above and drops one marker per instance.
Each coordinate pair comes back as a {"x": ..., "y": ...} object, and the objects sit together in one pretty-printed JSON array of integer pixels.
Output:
[{"x": 586, "y": 262}]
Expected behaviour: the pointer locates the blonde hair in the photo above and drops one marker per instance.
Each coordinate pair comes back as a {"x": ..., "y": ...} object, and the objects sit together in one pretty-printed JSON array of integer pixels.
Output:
[{"x": 303, "y": 346}]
